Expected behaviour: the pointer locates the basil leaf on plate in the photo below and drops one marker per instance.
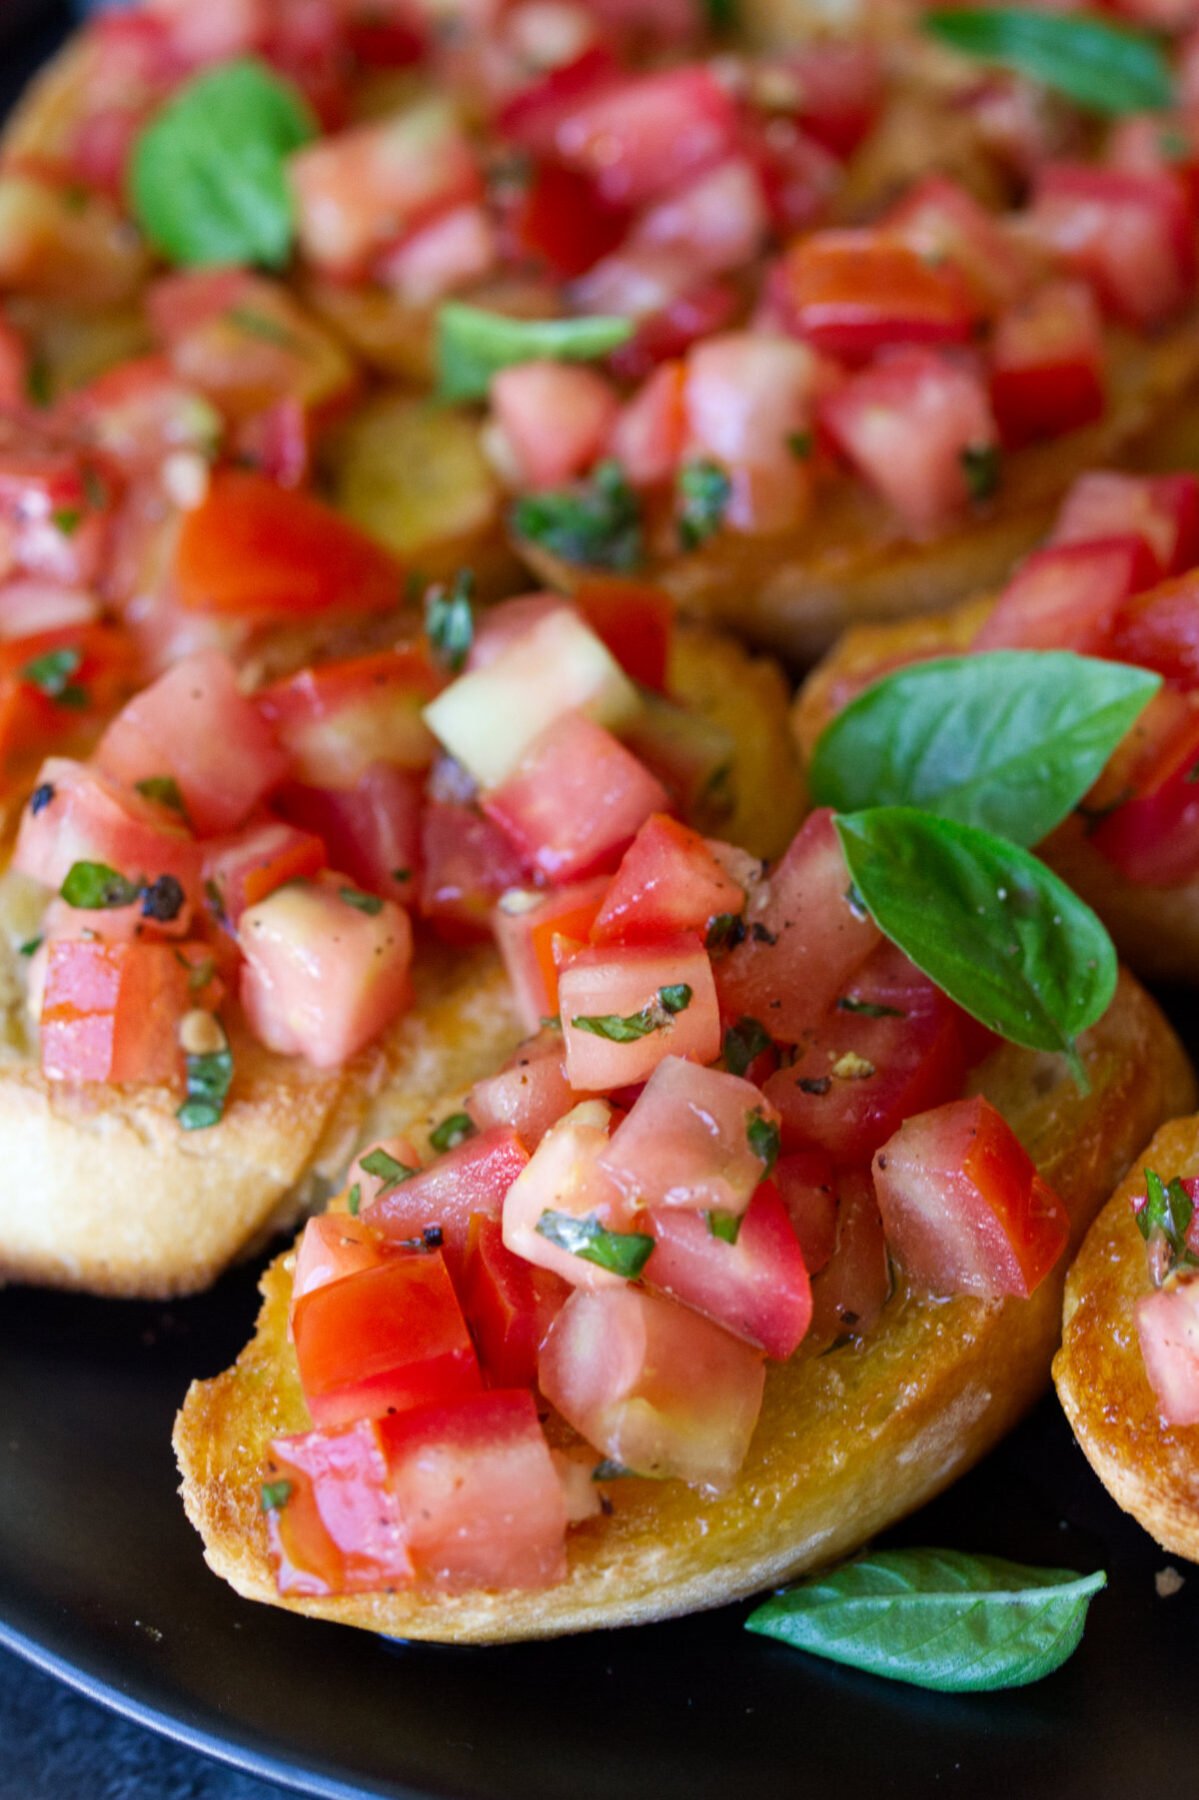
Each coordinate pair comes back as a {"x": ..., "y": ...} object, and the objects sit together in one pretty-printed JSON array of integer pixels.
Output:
[
  {"x": 1098, "y": 64},
  {"x": 620, "y": 1252},
  {"x": 208, "y": 181},
  {"x": 993, "y": 927},
  {"x": 936, "y": 1618},
  {"x": 1008, "y": 740},
  {"x": 473, "y": 345}
]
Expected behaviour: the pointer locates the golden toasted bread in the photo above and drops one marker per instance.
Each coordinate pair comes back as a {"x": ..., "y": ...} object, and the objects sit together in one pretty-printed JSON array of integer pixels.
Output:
[
  {"x": 1150, "y": 1468},
  {"x": 103, "y": 1189},
  {"x": 847, "y": 1442}
]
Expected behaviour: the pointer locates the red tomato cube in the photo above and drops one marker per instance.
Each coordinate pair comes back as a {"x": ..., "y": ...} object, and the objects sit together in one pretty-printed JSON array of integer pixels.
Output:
[
  {"x": 473, "y": 1178},
  {"x": 625, "y": 1008},
  {"x": 1160, "y": 630},
  {"x": 696, "y": 1138},
  {"x": 111, "y": 1012},
  {"x": 554, "y": 419},
  {"x": 372, "y": 830},
  {"x": 653, "y": 1386},
  {"x": 669, "y": 880},
  {"x": 634, "y": 621},
  {"x": 807, "y": 1186},
  {"x": 509, "y": 1304},
  {"x": 1068, "y": 598},
  {"x": 331, "y": 1247},
  {"x": 963, "y": 1206},
  {"x": 466, "y": 864},
  {"x": 247, "y": 866},
  {"x": 529, "y": 1095},
  {"x": 1161, "y": 509},
  {"x": 1154, "y": 837},
  {"x": 1168, "y": 1330},
  {"x": 340, "y": 719},
  {"x": 338, "y": 1529},
  {"x": 942, "y": 221},
  {"x": 647, "y": 134},
  {"x": 76, "y": 814},
  {"x": 564, "y": 1176},
  {"x": 1047, "y": 364},
  {"x": 851, "y": 293},
  {"x": 1129, "y": 234},
  {"x": 850, "y": 1292},
  {"x": 526, "y": 924}
]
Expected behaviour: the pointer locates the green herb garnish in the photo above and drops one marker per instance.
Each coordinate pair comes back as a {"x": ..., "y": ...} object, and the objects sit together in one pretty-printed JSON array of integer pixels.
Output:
[
  {"x": 389, "y": 1170},
  {"x": 868, "y": 1009},
  {"x": 596, "y": 524},
  {"x": 52, "y": 674},
  {"x": 763, "y": 1135},
  {"x": 452, "y": 1131},
  {"x": 94, "y": 887},
  {"x": 473, "y": 345},
  {"x": 654, "y": 1017},
  {"x": 275, "y": 1494},
  {"x": 1166, "y": 1217},
  {"x": 704, "y": 493},
  {"x": 450, "y": 621},
  {"x": 1103, "y": 66},
  {"x": 981, "y": 467},
  {"x": 163, "y": 789},
  {"x": 370, "y": 904},
  {"x": 354, "y": 1200},
  {"x": 724, "y": 1225},
  {"x": 209, "y": 1078},
  {"x": 621, "y": 1252},
  {"x": 744, "y": 1042}
]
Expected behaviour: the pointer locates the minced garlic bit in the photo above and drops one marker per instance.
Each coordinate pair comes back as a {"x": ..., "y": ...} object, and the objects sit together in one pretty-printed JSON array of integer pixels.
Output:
[
  {"x": 185, "y": 477},
  {"x": 1167, "y": 1581},
  {"x": 200, "y": 1033},
  {"x": 852, "y": 1067}
]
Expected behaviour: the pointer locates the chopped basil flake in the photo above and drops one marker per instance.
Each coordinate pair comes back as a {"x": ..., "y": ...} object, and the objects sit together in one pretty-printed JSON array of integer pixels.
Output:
[
  {"x": 388, "y": 1168},
  {"x": 363, "y": 903},
  {"x": 94, "y": 887},
  {"x": 164, "y": 790},
  {"x": 869, "y": 1009},
  {"x": 800, "y": 444},
  {"x": 67, "y": 519},
  {"x": 621, "y": 1252},
  {"x": 37, "y": 382},
  {"x": 31, "y": 946},
  {"x": 724, "y": 1225},
  {"x": 275, "y": 1494},
  {"x": 595, "y": 524},
  {"x": 763, "y": 1135},
  {"x": 704, "y": 494},
  {"x": 354, "y": 1200},
  {"x": 52, "y": 675},
  {"x": 261, "y": 325},
  {"x": 980, "y": 466},
  {"x": 725, "y": 931},
  {"x": 473, "y": 345},
  {"x": 1165, "y": 1218},
  {"x": 610, "y": 1470},
  {"x": 209, "y": 1078},
  {"x": 743, "y": 1042},
  {"x": 452, "y": 1131},
  {"x": 95, "y": 489},
  {"x": 401, "y": 874},
  {"x": 677, "y": 998},
  {"x": 216, "y": 905},
  {"x": 200, "y": 973},
  {"x": 654, "y": 1017},
  {"x": 450, "y": 621}
]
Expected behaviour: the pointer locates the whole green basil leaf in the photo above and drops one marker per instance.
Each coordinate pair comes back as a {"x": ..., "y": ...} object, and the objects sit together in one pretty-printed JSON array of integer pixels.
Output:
[
  {"x": 936, "y": 1618},
  {"x": 993, "y": 927},
  {"x": 208, "y": 182},
  {"x": 1106, "y": 67},
  {"x": 473, "y": 345},
  {"x": 1008, "y": 740}
]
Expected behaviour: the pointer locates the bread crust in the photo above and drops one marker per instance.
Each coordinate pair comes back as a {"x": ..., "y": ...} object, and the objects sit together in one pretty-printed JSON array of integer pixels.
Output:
[
  {"x": 1151, "y": 1469},
  {"x": 847, "y": 1443}
]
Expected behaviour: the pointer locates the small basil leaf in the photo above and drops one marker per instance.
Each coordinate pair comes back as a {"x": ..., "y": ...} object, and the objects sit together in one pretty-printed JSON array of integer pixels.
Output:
[
  {"x": 94, "y": 887},
  {"x": 370, "y": 904},
  {"x": 1106, "y": 67},
  {"x": 450, "y": 621},
  {"x": 452, "y": 1131},
  {"x": 595, "y": 524},
  {"x": 869, "y": 1009},
  {"x": 621, "y": 1252},
  {"x": 1008, "y": 740},
  {"x": 763, "y": 1135},
  {"x": 354, "y": 1200},
  {"x": 51, "y": 672},
  {"x": 724, "y": 1225},
  {"x": 1164, "y": 1221},
  {"x": 981, "y": 467},
  {"x": 163, "y": 789},
  {"x": 743, "y": 1043},
  {"x": 473, "y": 345},
  {"x": 275, "y": 1494},
  {"x": 209, "y": 1078},
  {"x": 936, "y": 1618},
  {"x": 208, "y": 181},
  {"x": 992, "y": 926},
  {"x": 704, "y": 494},
  {"x": 389, "y": 1170},
  {"x": 627, "y": 1029}
]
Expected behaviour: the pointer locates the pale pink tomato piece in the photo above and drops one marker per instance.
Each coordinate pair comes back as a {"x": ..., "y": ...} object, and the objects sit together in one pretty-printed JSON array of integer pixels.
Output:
[
  {"x": 338, "y": 1530},
  {"x": 804, "y": 939},
  {"x": 246, "y": 866},
  {"x": 942, "y": 219},
  {"x": 718, "y": 221},
  {"x": 669, "y": 880},
  {"x": 338, "y": 719},
  {"x": 1162, "y": 509},
  {"x": 757, "y": 1287},
  {"x": 1067, "y": 597},
  {"x": 575, "y": 800},
  {"x": 653, "y": 1386},
  {"x": 667, "y": 992},
  {"x": 466, "y": 864},
  {"x": 456, "y": 248},
  {"x": 850, "y": 1292},
  {"x": 509, "y": 1304},
  {"x": 1048, "y": 362},
  {"x": 914, "y": 425},
  {"x": 650, "y": 430},
  {"x": 963, "y": 1206},
  {"x": 648, "y": 134},
  {"x": 748, "y": 395},
  {"x": 480, "y": 1499},
  {"x": 367, "y": 188},
  {"x": 527, "y": 924},
  {"x": 554, "y": 418},
  {"x": 214, "y": 32},
  {"x": 111, "y": 1012},
  {"x": 195, "y": 725},
  {"x": 141, "y": 411},
  {"x": 29, "y": 607},
  {"x": 838, "y": 89},
  {"x": 564, "y": 1177},
  {"x": 696, "y": 1138},
  {"x": 1168, "y": 1331},
  {"x": 1129, "y": 234},
  {"x": 323, "y": 975},
  {"x": 77, "y": 814},
  {"x": 529, "y": 1095},
  {"x": 475, "y": 1177},
  {"x": 505, "y": 624},
  {"x": 372, "y": 830}
]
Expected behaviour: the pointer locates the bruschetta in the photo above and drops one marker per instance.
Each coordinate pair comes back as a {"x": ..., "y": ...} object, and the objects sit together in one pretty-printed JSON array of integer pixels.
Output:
[{"x": 757, "y": 1327}]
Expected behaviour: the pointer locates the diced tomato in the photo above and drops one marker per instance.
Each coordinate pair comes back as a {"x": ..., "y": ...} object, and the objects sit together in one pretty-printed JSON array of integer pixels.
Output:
[
  {"x": 668, "y": 881},
  {"x": 749, "y": 400},
  {"x": 718, "y": 220},
  {"x": 251, "y": 863},
  {"x": 663, "y": 336},
  {"x": 564, "y": 1177},
  {"x": 1067, "y": 598},
  {"x": 757, "y": 1287},
  {"x": 1156, "y": 144},
  {"x": 458, "y": 247},
  {"x": 1160, "y": 630},
  {"x": 942, "y": 219},
  {"x": 634, "y": 621},
  {"x": 533, "y": 117},
  {"x": 1154, "y": 837},
  {"x": 563, "y": 218},
  {"x": 76, "y": 814},
  {"x": 277, "y": 442},
  {"x": 807, "y": 1187},
  {"x": 554, "y": 418},
  {"x": 696, "y": 1138},
  {"x": 1129, "y": 234},
  {"x": 382, "y": 1339},
  {"x": 337, "y": 719},
  {"x": 372, "y": 1182},
  {"x": 466, "y": 863},
  {"x": 797, "y": 175},
  {"x": 852, "y": 1289},
  {"x": 529, "y": 1094},
  {"x": 29, "y": 608},
  {"x": 620, "y": 983},
  {"x": 473, "y": 1178},
  {"x": 918, "y": 426},
  {"x": 575, "y": 801},
  {"x": 804, "y": 940},
  {"x": 141, "y": 411},
  {"x": 691, "y": 755},
  {"x": 478, "y": 1493},
  {"x": 650, "y": 432},
  {"x": 963, "y": 1205},
  {"x": 653, "y": 1386},
  {"x": 862, "y": 1071},
  {"x": 98, "y": 659},
  {"x": 332, "y": 1246},
  {"x": 270, "y": 555},
  {"x": 366, "y": 188},
  {"x": 851, "y": 293},
  {"x": 526, "y": 924},
  {"x": 194, "y": 725},
  {"x": 509, "y": 1304},
  {"x": 1168, "y": 1332},
  {"x": 647, "y": 134},
  {"x": 338, "y": 1530},
  {"x": 1047, "y": 364},
  {"x": 371, "y": 830},
  {"x": 56, "y": 504},
  {"x": 324, "y": 974},
  {"x": 837, "y": 87},
  {"x": 1162, "y": 509},
  {"x": 111, "y": 1012}
]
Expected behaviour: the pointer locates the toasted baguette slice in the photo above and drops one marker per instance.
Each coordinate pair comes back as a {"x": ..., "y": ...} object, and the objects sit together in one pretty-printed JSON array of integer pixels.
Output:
[
  {"x": 104, "y": 1191},
  {"x": 1150, "y": 1468},
  {"x": 1155, "y": 929},
  {"x": 847, "y": 1442}
]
